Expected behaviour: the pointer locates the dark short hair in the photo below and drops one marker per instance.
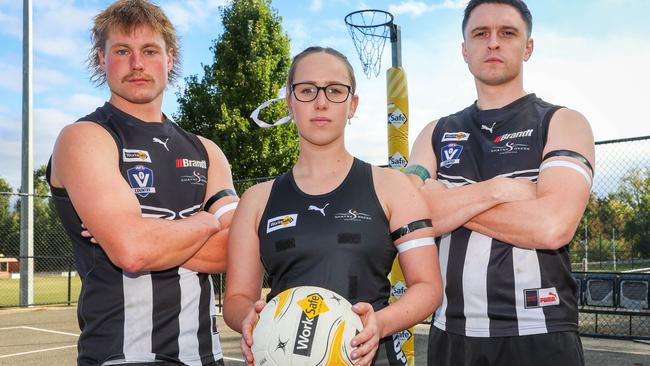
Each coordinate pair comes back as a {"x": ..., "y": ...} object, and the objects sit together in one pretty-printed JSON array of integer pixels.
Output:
[
  {"x": 126, "y": 16},
  {"x": 517, "y": 4},
  {"x": 317, "y": 49}
]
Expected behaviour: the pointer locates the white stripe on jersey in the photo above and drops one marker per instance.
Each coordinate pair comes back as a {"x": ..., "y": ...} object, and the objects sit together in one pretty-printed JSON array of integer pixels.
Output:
[
  {"x": 456, "y": 177},
  {"x": 521, "y": 172},
  {"x": 443, "y": 257},
  {"x": 216, "y": 344},
  {"x": 527, "y": 276},
  {"x": 477, "y": 322},
  {"x": 188, "y": 319},
  {"x": 138, "y": 316}
]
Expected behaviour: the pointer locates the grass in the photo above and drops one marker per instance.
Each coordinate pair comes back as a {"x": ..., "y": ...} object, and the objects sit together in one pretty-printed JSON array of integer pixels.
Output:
[{"x": 48, "y": 289}]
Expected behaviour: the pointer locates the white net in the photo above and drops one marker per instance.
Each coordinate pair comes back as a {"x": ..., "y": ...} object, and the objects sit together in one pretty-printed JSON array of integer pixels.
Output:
[{"x": 369, "y": 30}]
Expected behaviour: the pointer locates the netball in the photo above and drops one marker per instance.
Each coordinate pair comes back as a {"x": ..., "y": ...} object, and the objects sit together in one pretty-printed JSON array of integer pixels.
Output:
[{"x": 305, "y": 326}]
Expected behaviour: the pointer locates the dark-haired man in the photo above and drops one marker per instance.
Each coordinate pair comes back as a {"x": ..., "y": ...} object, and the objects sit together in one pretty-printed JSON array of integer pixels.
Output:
[{"x": 511, "y": 177}]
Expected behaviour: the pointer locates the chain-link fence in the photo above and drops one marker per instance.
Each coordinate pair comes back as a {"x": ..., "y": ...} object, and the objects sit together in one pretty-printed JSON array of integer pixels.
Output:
[{"x": 610, "y": 251}]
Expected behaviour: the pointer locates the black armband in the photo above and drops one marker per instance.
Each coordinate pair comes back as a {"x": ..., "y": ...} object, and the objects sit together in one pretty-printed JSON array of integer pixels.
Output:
[
  {"x": 570, "y": 154},
  {"x": 217, "y": 196},
  {"x": 411, "y": 227},
  {"x": 418, "y": 170}
]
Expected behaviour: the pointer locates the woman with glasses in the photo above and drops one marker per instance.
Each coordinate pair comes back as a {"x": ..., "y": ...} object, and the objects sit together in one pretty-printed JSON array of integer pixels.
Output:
[{"x": 333, "y": 221}]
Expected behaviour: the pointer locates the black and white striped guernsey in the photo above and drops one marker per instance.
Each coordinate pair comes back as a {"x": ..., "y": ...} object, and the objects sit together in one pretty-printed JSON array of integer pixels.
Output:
[
  {"x": 148, "y": 316},
  {"x": 493, "y": 289}
]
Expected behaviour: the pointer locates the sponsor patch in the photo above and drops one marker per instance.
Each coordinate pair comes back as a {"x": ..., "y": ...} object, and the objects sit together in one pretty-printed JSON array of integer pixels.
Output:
[
  {"x": 352, "y": 215},
  {"x": 135, "y": 156},
  {"x": 189, "y": 163},
  {"x": 195, "y": 179},
  {"x": 316, "y": 208},
  {"x": 398, "y": 343},
  {"x": 397, "y": 118},
  {"x": 509, "y": 148},
  {"x": 450, "y": 155},
  {"x": 455, "y": 136},
  {"x": 397, "y": 161},
  {"x": 281, "y": 222},
  {"x": 398, "y": 289},
  {"x": 540, "y": 297},
  {"x": 312, "y": 306},
  {"x": 141, "y": 180},
  {"x": 514, "y": 135}
]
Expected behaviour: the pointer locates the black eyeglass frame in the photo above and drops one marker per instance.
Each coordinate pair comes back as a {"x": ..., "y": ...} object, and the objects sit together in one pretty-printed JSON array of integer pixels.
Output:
[{"x": 318, "y": 89}]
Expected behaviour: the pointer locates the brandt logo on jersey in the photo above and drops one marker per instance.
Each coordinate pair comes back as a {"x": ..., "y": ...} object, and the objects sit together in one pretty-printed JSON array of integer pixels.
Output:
[
  {"x": 539, "y": 297},
  {"x": 141, "y": 180},
  {"x": 509, "y": 148},
  {"x": 455, "y": 136},
  {"x": 352, "y": 215},
  {"x": 515, "y": 135},
  {"x": 450, "y": 155},
  {"x": 134, "y": 155},
  {"x": 195, "y": 178},
  {"x": 281, "y": 222},
  {"x": 187, "y": 163}
]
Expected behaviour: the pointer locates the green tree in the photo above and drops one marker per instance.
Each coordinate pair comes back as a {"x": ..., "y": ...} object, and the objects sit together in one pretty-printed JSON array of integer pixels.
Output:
[
  {"x": 634, "y": 194},
  {"x": 251, "y": 60},
  {"x": 9, "y": 230},
  {"x": 52, "y": 248}
]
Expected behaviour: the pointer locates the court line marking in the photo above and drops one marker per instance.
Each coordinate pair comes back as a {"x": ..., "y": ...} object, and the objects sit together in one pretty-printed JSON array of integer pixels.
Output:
[
  {"x": 37, "y": 351},
  {"x": 63, "y": 347},
  {"x": 40, "y": 330}
]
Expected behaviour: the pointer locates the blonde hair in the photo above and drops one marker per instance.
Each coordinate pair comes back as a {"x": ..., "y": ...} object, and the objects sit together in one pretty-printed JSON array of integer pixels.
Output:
[{"x": 127, "y": 16}]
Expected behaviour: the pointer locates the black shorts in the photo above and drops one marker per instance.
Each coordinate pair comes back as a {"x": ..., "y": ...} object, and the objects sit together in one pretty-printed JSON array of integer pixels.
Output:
[{"x": 555, "y": 349}]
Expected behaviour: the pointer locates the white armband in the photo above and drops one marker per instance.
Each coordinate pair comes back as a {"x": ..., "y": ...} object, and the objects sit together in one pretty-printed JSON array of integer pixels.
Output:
[
  {"x": 225, "y": 208},
  {"x": 415, "y": 243},
  {"x": 566, "y": 164}
]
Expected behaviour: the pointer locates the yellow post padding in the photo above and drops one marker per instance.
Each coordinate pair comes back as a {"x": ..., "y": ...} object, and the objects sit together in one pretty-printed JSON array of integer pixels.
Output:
[{"x": 398, "y": 154}]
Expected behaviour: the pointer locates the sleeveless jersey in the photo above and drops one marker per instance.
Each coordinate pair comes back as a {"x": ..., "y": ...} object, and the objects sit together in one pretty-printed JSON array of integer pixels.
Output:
[
  {"x": 339, "y": 240},
  {"x": 147, "y": 316},
  {"x": 494, "y": 289}
]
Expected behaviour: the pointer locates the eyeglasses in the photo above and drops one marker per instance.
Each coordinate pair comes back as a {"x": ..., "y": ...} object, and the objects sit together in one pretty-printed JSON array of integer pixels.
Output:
[{"x": 335, "y": 93}]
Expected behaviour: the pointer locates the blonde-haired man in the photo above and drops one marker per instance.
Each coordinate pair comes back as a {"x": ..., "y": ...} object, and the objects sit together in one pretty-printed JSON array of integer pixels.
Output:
[{"x": 147, "y": 191}]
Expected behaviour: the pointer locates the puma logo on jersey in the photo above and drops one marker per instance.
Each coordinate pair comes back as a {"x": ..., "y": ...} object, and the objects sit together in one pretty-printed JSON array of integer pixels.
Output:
[
  {"x": 484, "y": 127},
  {"x": 314, "y": 208},
  {"x": 155, "y": 139}
]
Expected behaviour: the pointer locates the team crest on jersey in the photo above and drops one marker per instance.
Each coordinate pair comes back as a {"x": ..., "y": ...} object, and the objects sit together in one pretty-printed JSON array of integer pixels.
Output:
[
  {"x": 540, "y": 297},
  {"x": 135, "y": 156},
  {"x": 141, "y": 180},
  {"x": 450, "y": 155},
  {"x": 455, "y": 136},
  {"x": 281, "y": 222}
]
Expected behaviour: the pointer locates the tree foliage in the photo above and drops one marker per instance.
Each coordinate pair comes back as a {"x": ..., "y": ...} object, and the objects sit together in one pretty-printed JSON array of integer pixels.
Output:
[{"x": 251, "y": 60}]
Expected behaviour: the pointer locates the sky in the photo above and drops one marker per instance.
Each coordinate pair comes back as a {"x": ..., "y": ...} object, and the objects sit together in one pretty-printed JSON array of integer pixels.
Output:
[{"x": 590, "y": 55}]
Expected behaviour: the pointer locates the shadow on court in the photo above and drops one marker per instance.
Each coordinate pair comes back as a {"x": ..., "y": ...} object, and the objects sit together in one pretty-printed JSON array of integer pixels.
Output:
[{"x": 47, "y": 337}]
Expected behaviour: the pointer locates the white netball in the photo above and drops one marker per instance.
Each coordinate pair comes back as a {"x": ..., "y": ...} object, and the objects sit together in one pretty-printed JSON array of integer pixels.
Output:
[{"x": 305, "y": 326}]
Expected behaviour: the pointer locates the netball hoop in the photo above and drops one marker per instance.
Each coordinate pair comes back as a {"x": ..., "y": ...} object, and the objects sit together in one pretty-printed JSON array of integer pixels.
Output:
[{"x": 369, "y": 30}]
